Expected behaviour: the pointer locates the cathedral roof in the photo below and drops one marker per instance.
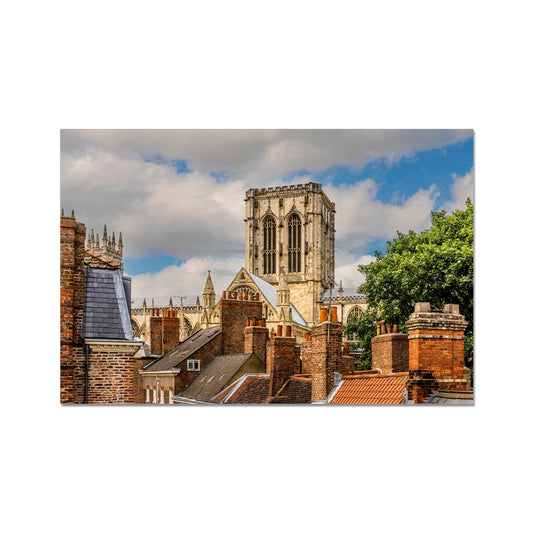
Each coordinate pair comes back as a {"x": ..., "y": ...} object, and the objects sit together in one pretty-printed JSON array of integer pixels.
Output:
[
  {"x": 348, "y": 293},
  {"x": 163, "y": 301},
  {"x": 270, "y": 293}
]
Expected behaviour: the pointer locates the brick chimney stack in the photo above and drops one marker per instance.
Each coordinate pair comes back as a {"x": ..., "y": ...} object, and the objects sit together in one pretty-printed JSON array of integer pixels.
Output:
[
  {"x": 72, "y": 250},
  {"x": 282, "y": 360},
  {"x": 436, "y": 347},
  {"x": 322, "y": 356},
  {"x": 255, "y": 338},
  {"x": 390, "y": 351},
  {"x": 234, "y": 315},
  {"x": 164, "y": 331}
]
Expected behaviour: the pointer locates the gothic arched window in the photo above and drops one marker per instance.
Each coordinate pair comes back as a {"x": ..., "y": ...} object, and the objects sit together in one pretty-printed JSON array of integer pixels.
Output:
[
  {"x": 295, "y": 243},
  {"x": 269, "y": 246},
  {"x": 356, "y": 312}
]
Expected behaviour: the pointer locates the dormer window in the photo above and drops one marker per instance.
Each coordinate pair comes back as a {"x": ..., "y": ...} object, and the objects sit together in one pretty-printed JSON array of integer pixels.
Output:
[{"x": 193, "y": 365}]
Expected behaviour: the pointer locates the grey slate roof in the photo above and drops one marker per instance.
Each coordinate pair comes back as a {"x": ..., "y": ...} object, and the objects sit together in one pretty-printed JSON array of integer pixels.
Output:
[
  {"x": 183, "y": 350},
  {"x": 106, "y": 309},
  {"x": 270, "y": 293},
  {"x": 215, "y": 376},
  {"x": 348, "y": 293},
  {"x": 451, "y": 398}
]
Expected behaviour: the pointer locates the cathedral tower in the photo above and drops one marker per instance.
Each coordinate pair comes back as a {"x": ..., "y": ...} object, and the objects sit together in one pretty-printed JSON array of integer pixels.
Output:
[{"x": 292, "y": 228}]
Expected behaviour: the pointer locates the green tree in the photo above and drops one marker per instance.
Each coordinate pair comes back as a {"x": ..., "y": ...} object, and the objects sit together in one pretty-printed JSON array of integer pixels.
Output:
[{"x": 436, "y": 266}]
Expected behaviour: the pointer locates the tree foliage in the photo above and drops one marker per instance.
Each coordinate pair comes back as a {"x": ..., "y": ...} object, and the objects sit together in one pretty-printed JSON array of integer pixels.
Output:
[{"x": 436, "y": 266}]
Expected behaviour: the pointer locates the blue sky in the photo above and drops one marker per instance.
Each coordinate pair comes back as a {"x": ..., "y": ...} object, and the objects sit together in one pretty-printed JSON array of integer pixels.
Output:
[{"x": 177, "y": 195}]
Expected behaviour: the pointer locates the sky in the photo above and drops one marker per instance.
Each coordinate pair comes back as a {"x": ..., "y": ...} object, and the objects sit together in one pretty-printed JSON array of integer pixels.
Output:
[{"x": 177, "y": 196}]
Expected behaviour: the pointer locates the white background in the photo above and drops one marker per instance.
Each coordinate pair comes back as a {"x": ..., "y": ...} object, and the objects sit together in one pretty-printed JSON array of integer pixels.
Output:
[{"x": 261, "y": 65}]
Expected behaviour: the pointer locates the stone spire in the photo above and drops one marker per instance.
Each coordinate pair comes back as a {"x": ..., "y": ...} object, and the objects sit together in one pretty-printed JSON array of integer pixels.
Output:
[
  {"x": 170, "y": 304},
  {"x": 183, "y": 329},
  {"x": 120, "y": 245},
  {"x": 104, "y": 240},
  {"x": 341, "y": 292},
  {"x": 209, "y": 292},
  {"x": 283, "y": 296}
]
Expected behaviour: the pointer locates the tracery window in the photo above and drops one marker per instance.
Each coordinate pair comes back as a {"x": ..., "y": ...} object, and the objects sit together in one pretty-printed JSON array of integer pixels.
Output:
[
  {"x": 356, "y": 312},
  {"x": 269, "y": 246},
  {"x": 295, "y": 243}
]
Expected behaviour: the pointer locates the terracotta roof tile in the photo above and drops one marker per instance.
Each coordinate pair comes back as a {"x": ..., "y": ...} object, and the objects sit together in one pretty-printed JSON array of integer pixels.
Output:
[
  {"x": 97, "y": 260},
  {"x": 371, "y": 389}
]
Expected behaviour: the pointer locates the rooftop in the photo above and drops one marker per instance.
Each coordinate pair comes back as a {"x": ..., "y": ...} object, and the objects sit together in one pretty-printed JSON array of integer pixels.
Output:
[{"x": 371, "y": 389}]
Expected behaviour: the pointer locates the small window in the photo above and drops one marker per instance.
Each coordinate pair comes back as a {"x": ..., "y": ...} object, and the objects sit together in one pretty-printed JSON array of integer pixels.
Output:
[{"x": 193, "y": 365}]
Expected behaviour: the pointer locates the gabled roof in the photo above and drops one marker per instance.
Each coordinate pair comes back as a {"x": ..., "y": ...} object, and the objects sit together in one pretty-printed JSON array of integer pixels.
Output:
[
  {"x": 296, "y": 390},
  {"x": 371, "y": 389},
  {"x": 106, "y": 313},
  {"x": 216, "y": 375},
  {"x": 249, "y": 389},
  {"x": 183, "y": 350},
  {"x": 270, "y": 294}
]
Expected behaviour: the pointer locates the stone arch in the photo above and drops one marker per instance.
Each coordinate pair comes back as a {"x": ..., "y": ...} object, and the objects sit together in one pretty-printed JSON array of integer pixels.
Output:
[
  {"x": 294, "y": 242},
  {"x": 354, "y": 312}
]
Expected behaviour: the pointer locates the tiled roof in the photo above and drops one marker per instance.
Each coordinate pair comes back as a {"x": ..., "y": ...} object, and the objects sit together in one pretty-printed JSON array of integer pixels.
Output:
[
  {"x": 250, "y": 389},
  {"x": 451, "y": 398},
  {"x": 97, "y": 260},
  {"x": 215, "y": 376},
  {"x": 297, "y": 389},
  {"x": 105, "y": 310},
  {"x": 371, "y": 389},
  {"x": 183, "y": 350}
]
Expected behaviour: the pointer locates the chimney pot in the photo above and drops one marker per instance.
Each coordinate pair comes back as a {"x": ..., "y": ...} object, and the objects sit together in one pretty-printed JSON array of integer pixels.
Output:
[
  {"x": 280, "y": 331},
  {"x": 288, "y": 331},
  {"x": 333, "y": 317},
  {"x": 323, "y": 315}
]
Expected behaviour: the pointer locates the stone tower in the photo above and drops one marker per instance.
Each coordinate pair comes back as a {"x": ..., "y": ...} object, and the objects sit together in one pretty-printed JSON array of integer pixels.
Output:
[{"x": 292, "y": 228}]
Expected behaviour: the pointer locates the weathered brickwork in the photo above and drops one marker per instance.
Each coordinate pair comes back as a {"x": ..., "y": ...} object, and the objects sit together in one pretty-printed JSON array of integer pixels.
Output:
[
  {"x": 390, "y": 353},
  {"x": 111, "y": 372},
  {"x": 322, "y": 357},
  {"x": 72, "y": 235},
  {"x": 281, "y": 361},
  {"x": 255, "y": 339},
  {"x": 234, "y": 313},
  {"x": 164, "y": 333},
  {"x": 436, "y": 346}
]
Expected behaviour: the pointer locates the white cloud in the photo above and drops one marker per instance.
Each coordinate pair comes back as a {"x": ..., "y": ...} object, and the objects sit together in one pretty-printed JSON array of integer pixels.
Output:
[
  {"x": 361, "y": 218},
  {"x": 348, "y": 273},
  {"x": 188, "y": 278},
  {"x": 262, "y": 154},
  {"x": 462, "y": 188}
]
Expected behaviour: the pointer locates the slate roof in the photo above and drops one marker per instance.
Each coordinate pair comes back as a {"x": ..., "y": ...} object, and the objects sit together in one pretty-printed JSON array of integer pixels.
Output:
[
  {"x": 348, "y": 293},
  {"x": 183, "y": 350},
  {"x": 215, "y": 376},
  {"x": 451, "y": 398},
  {"x": 371, "y": 389},
  {"x": 254, "y": 389},
  {"x": 105, "y": 310},
  {"x": 270, "y": 293}
]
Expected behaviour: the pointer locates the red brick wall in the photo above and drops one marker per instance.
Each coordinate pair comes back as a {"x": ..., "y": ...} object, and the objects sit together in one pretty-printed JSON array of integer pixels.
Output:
[
  {"x": 233, "y": 315},
  {"x": 281, "y": 361},
  {"x": 436, "y": 345},
  {"x": 164, "y": 334},
  {"x": 390, "y": 352},
  {"x": 255, "y": 339},
  {"x": 72, "y": 235},
  {"x": 323, "y": 358},
  {"x": 111, "y": 373}
]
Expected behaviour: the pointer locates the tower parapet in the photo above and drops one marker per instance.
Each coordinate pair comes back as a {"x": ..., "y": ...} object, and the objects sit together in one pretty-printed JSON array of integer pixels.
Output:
[{"x": 109, "y": 247}]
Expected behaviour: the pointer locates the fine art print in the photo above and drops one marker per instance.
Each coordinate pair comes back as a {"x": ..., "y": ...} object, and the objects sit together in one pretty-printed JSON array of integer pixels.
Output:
[{"x": 250, "y": 267}]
